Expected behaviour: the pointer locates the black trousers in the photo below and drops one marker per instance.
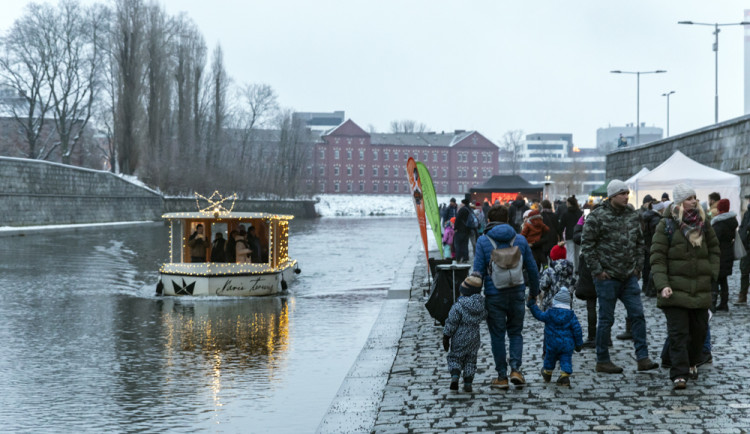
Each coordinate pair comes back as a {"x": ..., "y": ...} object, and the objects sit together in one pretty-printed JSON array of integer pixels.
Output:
[
  {"x": 686, "y": 329},
  {"x": 591, "y": 318}
]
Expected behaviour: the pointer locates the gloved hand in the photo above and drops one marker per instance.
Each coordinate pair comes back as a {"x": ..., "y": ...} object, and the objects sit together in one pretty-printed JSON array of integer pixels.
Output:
[
  {"x": 578, "y": 348},
  {"x": 530, "y": 301},
  {"x": 446, "y": 342}
]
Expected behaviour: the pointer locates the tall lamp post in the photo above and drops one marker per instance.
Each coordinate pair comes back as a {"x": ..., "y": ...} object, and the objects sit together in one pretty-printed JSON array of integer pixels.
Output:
[
  {"x": 716, "y": 56},
  {"x": 638, "y": 98},
  {"x": 667, "y": 95}
]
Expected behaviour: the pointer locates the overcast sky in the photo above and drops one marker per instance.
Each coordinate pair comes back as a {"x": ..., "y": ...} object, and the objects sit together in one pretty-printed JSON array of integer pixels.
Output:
[{"x": 491, "y": 66}]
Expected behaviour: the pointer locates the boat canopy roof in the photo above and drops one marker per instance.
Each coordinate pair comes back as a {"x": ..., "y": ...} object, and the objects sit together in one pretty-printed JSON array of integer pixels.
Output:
[{"x": 226, "y": 215}]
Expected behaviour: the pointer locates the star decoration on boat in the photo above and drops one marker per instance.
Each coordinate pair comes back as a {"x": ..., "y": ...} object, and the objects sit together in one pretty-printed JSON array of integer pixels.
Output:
[
  {"x": 186, "y": 289},
  {"x": 215, "y": 203}
]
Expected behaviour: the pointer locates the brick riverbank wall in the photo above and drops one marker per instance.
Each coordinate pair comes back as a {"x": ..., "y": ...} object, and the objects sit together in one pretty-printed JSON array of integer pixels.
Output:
[
  {"x": 34, "y": 192},
  {"x": 724, "y": 146}
]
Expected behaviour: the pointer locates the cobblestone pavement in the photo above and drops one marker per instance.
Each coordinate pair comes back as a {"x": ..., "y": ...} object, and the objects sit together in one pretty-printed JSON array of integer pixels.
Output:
[{"x": 417, "y": 398}]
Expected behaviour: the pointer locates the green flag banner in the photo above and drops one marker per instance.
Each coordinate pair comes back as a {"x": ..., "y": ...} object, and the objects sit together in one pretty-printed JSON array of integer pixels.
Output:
[{"x": 431, "y": 205}]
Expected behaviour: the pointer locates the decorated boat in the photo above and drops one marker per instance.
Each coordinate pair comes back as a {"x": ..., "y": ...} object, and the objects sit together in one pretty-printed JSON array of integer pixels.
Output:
[{"x": 194, "y": 268}]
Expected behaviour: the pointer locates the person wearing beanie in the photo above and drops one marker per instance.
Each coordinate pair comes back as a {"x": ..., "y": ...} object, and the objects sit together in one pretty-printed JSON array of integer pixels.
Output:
[
  {"x": 557, "y": 253},
  {"x": 461, "y": 332},
  {"x": 685, "y": 258},
  {"x": 562, "y": 335},
  {"x": 613, "y": 248},
  {"x": 534, "y": 229},
  {"x": 559, "y": 274},
  {"x": 725, "y": 226},
  {"x": 665, "y": 197}
]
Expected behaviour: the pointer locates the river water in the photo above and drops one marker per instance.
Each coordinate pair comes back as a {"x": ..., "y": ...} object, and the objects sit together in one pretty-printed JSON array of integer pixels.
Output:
[{"x": 86, "y": 346}]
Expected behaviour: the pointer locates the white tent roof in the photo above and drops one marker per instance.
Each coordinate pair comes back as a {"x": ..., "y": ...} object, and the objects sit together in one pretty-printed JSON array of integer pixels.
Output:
[
  {"x": 680, "y": 169},
  {"x": 631, "y": 181}
]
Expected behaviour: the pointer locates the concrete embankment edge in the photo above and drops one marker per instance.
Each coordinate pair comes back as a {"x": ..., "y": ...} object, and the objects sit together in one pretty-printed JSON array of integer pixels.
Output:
[
  {"x": 34, "y": 230},
  {"x": 354, "y": 409}
]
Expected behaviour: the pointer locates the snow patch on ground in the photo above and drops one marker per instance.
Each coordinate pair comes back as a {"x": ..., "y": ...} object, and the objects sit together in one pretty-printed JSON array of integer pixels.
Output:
[{"x": 352, "y": 205}]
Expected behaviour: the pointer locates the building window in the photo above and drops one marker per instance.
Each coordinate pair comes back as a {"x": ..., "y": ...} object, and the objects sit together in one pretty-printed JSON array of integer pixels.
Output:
[
  {"x": 374, "y": 155},
  {"x": 434, "y": 157},
  {"x": 335, "y": 154},
  {"x": 386, "y": 155},
  {"x": 349, "y": 187},
  {"x": 336, "y": 187},
  {"x": 322, "y": 187},
  {"x": 348, "y": 171},
  {"x": 322, "y": 171},
  {"x": 395, "y": 188},
  {"x": 385, "y": 171},
  {"x": 322, "y": 154},
  {"x": 374, "y": 188},
  {"x": 385, "y": 188},
  {"x": 336, "y": 171},
  {"x": 445, "y": 172},
  {"x": 361, "y": 171},
  {"x": 476, "y": 157},
  {"x": 406, "y": 156},
  {"x": 445, "y": 157},
  {"x": 348, "y": 154},
  {"x": 309, "y": 170},
  {"x": 395, "y": 170},
  {"x": 395, "y": 155},
  {"x": 445, "y": 188},
  {"x": 361, "y": 187},
  {"x": 426, "y": 157},
  {"x": 361, "y": 154},
  {"x": 475, "y": 171},
  {"x": 374, "y": 171}
]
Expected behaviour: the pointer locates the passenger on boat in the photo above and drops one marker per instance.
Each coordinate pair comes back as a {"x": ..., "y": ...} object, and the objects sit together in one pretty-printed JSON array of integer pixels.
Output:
[
  {"x": 242, "y": 251},
  {"x": 217, "y": 249},
  {"x": 253, "y": 243},
  {"x": 231, "y": 247},
  {"x": 198, "y": 245}
]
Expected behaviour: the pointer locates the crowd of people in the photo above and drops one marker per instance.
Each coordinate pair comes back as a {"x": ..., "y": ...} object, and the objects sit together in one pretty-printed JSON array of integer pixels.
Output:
[
  {"x": 678, "y": 251},
  {"x": 242, "y": 246}
]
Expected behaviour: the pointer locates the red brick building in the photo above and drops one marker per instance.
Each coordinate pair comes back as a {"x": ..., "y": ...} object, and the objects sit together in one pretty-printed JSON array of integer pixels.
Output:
[{"x": 350, "y": 160}]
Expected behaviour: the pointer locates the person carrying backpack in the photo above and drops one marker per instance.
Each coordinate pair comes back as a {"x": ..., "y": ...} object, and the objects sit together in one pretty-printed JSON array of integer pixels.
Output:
[
  {"x": 501, "y": 256},
  {"x": 517, "y": 208}
]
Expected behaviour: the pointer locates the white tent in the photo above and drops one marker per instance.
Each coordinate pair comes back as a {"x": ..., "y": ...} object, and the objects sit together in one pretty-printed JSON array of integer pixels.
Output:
[
  {"x": 679, "y": 168},
  {"x": 631, "y": 181}
]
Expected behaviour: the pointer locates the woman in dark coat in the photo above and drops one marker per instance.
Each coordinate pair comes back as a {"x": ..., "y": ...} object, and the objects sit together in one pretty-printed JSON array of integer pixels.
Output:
[
  {"x": 568, "y": 222},
  {"x": 684, "y": 259},
  {"x": 551, "y": 237},
  {"x": 725, "y": 225}
]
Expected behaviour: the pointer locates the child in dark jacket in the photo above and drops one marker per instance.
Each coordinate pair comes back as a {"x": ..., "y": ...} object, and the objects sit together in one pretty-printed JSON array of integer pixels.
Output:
[
  {"x": 562, "y": 335},
  {"x": 461, "y": 332}
]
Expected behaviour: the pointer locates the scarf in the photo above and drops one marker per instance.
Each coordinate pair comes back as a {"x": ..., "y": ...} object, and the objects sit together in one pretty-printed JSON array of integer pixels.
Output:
[{"x": 692, "y": 226}]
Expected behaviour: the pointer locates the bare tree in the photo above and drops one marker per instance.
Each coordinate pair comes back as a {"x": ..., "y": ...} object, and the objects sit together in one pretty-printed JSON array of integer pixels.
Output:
[
  {"x": 23, "y": 62},
  {"x": 512, "y": 144},
  {"x": 257, "y": 105},
  {"x": 219, "y": 87},
  {"x": 408, "y": 126}
]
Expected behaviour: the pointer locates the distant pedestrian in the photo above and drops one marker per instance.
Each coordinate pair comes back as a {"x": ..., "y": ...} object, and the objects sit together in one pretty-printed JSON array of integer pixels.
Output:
[
  {"x": 217, "y": 248},
  {"x": 517, "y": 208},
  {"x": 448, "y": 251},
  {"x": 534, "y": 229},
  {"x": 461, "y": 332},
  {"x": 725, "y": 225},
  {"x": 612, "y": 246},
  {"x": 562, "y": 335},
  {"x": 713, "y": 202},
  {"x": 505, "y": 304},
  {"x": 550, "y": 238},
  {"x": 685, "y": 257},
  {"x": 743, "y": 233},
  {"x": 568, "y": 221},
  {"x": 462, "y": 231},
  {"x": 198, "y": 245}
]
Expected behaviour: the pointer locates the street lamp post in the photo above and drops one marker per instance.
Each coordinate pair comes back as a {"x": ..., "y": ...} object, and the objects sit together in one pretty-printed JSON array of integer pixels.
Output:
[
  {"x": 638, "y": 98},
  {"x": 716, "y": 57},
  {"x": 667, "y": 95}
]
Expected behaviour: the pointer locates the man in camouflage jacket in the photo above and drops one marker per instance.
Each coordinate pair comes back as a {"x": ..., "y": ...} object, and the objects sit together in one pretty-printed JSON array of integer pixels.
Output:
[{"x": 612, "y": 246}]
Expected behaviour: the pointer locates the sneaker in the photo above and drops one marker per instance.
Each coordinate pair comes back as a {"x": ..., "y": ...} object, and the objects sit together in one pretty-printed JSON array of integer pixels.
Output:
[
  {"x": 680, "y": 383},
  {"x": 517, "y": 378},
  {"x": 647, "y": 365},
  {"x": 564, "y": 380},
  {"x": 693, "y": 373},
  {"x": 707, "y": 358},
  {"x": 547, "y": 375},
  {"x": 499, "y": 383},
  {"x": 468, "y": 388},
  {"x": 608, "y": 368},
  {"x": 454, "y": 383},
  {"x": 624, "y": 336}
]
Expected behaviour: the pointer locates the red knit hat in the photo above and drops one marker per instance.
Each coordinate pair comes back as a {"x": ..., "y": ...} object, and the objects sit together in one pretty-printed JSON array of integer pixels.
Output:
[
  {"x": 557, "y": 253},
  {"x": 723, "y": 205}
]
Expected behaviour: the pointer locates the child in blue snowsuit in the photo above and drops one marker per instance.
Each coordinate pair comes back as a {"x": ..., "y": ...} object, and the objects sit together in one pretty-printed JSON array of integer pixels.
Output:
[
  {"x": 461, "y": 332},
  {"x": 562, "y": 335}
]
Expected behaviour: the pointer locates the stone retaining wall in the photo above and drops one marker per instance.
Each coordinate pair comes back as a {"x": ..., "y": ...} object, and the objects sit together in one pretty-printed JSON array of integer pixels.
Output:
[
  {"x": 35, "y": 192},
  {"x": 724, "y": 146}
]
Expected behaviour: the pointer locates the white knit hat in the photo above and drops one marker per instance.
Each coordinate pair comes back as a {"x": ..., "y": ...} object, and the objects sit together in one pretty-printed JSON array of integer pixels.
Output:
[
  {"x": 681, "y": 192},
  {"x": 615, "y": 187}
]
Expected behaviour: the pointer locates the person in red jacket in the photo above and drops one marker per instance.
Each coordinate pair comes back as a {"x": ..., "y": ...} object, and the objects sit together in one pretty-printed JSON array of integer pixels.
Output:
[{"x": 533, "y": 229}]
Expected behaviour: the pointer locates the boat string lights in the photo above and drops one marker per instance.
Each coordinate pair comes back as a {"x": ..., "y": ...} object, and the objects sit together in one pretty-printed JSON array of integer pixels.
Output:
[
  {"x": 215, "y": 206},
  {"x": 223, "y": 268}
]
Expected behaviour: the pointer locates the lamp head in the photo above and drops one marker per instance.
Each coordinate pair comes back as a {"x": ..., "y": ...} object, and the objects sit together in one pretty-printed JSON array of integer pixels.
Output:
[{"x": 684, "y": 22}]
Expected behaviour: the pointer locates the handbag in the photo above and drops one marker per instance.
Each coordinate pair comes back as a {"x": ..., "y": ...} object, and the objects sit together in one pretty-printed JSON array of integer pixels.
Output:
[{"x": 739, "y": 248}]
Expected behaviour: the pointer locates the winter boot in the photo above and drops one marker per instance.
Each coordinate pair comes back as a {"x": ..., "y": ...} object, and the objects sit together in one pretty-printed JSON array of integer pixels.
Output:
[
  {"x": 467, "y": 384},
  {"x": 546, "y": 375},
  {"x": 564, "y": 380},
  {"x": 626, "y": 335},
  {"x": 454, "y": 382},
  {"x": 608, "y": 368},
  {"x": 646, "y": 364},
  {"x": 741, "y": 300}
]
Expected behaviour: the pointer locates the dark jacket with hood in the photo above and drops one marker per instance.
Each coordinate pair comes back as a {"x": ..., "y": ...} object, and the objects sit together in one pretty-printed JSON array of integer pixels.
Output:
[
  {"x": 649, "y": 221},
  {"x": 502, "y": 233},
  {"x": 568, "y": 221},
  {"x": 462, "y": 326},
  {"x": 613, "y": 242},
  {"x": 515, "y": 214},
  {"x": 725, "y": 227},
  {"x": 550, "y": 238},
  {"x": 562, "y": 331},
  {"x": 686, "y": 269}
]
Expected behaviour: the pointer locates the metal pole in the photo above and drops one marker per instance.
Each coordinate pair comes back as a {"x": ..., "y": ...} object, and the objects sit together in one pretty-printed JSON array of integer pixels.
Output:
[
  {"x": 668, "y": 115},
  {"x": 638, "y": 110},
  {"x": 716, "y": 74}
]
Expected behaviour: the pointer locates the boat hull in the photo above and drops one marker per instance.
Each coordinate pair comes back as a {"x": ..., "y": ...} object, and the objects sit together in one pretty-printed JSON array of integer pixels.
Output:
[{"x": 248, "y": 285}]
